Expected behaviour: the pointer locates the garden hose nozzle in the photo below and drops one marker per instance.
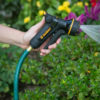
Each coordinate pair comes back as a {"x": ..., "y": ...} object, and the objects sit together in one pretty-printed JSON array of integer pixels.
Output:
[{"x": 53, "y": 28}]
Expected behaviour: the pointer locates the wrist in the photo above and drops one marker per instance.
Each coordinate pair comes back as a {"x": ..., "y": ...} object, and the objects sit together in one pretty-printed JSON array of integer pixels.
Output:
[
  {"x": 20, "y": 40},
  {"x": 22, "y": 43}
]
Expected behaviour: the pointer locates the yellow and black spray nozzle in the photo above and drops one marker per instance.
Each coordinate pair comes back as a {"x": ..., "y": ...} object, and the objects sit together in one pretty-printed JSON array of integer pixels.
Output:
[{"x": 54, "y": 28}]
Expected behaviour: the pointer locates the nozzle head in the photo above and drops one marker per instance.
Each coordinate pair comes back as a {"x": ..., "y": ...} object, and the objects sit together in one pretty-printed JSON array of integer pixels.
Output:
[
  {"x": 73, "y": 27},
  {"x": 70, "y": 26}
]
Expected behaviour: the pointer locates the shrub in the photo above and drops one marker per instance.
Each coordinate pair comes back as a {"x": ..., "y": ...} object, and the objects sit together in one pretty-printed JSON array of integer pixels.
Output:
[
  {"x": 71, "y": 71},
  {"x": 8, "y": 60}
]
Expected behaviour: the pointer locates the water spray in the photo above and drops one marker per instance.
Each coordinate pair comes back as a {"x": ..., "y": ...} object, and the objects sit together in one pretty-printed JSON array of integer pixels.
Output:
[
  {"x": 92, "y": 31},
  {"x": 53, "y": 29}
]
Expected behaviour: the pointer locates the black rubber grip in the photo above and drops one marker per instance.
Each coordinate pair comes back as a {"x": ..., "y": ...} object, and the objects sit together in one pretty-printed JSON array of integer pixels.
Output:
[
  {"x": 37, "y": 41},
  {"x": 54, "y": 38}
]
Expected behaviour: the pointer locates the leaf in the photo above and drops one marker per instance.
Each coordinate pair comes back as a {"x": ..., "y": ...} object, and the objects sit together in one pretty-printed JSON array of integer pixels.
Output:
[
  {"x": 33, "y": 81},
  {"x": 51, "y": 11},
  {"x": 81, "y": 96},
  {"x": 55, "y": 3},
  {"x": 6, "y": 89},
  {"x": 4, "y": 45},
  {"x": 82, "y": 75}
]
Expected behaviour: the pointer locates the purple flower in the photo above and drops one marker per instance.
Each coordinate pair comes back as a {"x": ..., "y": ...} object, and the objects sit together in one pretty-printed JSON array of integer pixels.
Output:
[
  {"x": 70, "y": 16},
  {"x": 82, "y": 18},
  {"x": 94, "y": 12},
  {"x": 86, "y": 36}
]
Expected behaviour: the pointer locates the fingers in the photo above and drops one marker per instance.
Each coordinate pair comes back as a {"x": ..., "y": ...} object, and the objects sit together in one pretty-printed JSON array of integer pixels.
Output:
[
  {"x": 53, "y": 46},
  {"x": 44, "y": 52},
  {"x": 58, "y": 41}
]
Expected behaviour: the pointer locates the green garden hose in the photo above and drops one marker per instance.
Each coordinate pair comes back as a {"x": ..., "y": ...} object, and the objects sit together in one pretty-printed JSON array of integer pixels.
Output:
[{"x": 18, "y": 68}]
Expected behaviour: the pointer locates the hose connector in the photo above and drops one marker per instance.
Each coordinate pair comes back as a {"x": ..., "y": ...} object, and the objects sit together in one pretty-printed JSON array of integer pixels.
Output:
[{"x": 29, "y": 48}]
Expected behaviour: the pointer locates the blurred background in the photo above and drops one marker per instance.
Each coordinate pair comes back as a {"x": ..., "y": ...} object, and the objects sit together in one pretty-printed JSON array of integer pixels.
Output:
[{"x": 70, "y": 72}]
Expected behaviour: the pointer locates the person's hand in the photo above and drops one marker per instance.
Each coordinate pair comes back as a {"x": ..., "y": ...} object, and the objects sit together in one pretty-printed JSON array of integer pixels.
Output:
[{"x": 32, "y": 32}]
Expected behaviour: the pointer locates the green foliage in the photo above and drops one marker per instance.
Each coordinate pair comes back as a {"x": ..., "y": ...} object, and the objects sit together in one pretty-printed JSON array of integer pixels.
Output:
[
  {"x": 70, "y": 71},
  {"x": 9, "y": 11},
  {"x": 7, "y": 66}
]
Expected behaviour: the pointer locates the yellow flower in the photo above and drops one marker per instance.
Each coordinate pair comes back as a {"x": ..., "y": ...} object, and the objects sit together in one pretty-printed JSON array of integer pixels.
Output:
[
  {"x": 60, "y": 8},
  {"x": 29, "y": 0},
  {"x": 86, "y": 4},
  {"x": 89, "y": 71},
  {"x": 80, "y": 4},
  {"x": 66, "y": 3},
  {"x": 27, "y": 19},
  {"x": 96, "y": 53},
  {"x": 38, "y": 4},
  {"x": 41, "y": 12},
  {"x": 68, "y": 10}
]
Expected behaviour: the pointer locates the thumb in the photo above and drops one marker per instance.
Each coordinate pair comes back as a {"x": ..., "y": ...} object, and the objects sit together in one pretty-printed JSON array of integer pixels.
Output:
[
  {"x": 33, "y": 30},
  {"x": 39, "y": 25}
]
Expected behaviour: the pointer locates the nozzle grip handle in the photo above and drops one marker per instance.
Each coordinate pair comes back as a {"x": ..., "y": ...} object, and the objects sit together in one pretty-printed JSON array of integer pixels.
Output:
[
  {"x": 54, "y": 38},
  {"x": 38, "y": 39}
]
